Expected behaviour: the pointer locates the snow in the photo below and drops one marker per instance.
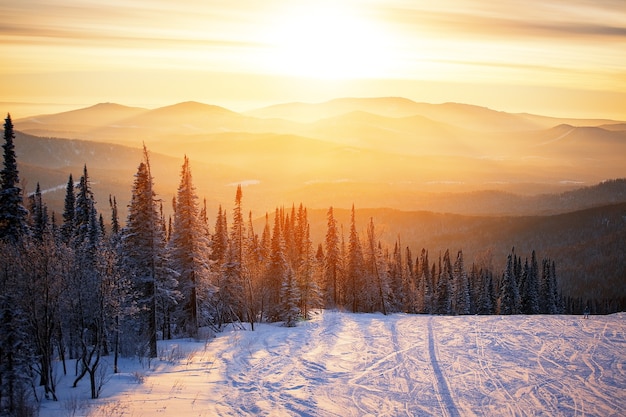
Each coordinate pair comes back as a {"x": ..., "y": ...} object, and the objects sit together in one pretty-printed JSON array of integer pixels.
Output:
[{"x": 341, "y": 364}]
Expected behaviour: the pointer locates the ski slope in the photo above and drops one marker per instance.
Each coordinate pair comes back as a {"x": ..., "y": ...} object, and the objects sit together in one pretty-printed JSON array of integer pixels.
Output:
[{"x": 341, "y": 364}]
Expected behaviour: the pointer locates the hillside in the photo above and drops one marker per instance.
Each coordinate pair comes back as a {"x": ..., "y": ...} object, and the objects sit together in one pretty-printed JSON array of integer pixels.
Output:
[{"x": 587, "y": 245}]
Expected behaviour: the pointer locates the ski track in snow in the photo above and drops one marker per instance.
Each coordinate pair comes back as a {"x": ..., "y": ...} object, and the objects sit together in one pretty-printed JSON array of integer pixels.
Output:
[
  {"x": 445, "y": 398},
  {"x": 341, "y": 364}
]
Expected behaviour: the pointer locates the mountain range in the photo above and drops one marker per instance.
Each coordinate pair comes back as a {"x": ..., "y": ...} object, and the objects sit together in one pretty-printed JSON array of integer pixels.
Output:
[
  {"x": 436, "y": 176},
  {"x": 373, "y": 152}
]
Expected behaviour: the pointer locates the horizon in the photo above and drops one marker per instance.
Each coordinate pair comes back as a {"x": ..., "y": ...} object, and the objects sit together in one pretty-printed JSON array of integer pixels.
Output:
[
  {"x": 559, "y": 59},
  {"x": 48, "y": 109}
]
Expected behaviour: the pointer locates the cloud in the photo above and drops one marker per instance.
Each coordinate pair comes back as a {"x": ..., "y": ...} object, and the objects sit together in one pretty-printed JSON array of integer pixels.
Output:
[{"x": 514, "y": 20}]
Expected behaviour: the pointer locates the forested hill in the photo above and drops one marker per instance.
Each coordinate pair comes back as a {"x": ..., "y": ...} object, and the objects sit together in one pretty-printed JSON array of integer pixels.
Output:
[
  {"x": 50, "y": 160},
  {"x": 588, "y": 245}
]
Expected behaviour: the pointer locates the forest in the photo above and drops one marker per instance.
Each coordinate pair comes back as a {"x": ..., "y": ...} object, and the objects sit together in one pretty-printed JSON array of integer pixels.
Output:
[{"x": 82, "y": 285}]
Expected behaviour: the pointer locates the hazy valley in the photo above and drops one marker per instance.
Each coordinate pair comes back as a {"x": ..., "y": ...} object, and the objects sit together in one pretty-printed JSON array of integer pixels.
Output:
[{"x": 383, "y": 152}]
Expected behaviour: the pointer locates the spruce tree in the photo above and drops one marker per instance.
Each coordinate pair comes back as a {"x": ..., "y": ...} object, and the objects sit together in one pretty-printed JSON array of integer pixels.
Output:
[
  {"x": 509, "y": 301},
  {"x": 376, "y": 291},
  {"x": 189, "y": 251},
  {"x": 16, "y": 356},
  {"x": 38, "y": 215},
  {"x": 332, "y": 261},
  {"x": 289, "y": 297},
  {"x": 67, "y": 228},
  {"x": 461, "y": 287},
  {"x": 444, "y": 288},
  {"x": 310, "y": 293},
  {"x": 276, "y": 272},
  {"x": 219, "y": 240},
  {"x": 13, "y": 214},
  {"x": 355, "y": 267},
  {"x": 145, "y": 258}
]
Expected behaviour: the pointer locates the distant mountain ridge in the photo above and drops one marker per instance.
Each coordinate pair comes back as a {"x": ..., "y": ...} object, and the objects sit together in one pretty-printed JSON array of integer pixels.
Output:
[
  {"x": 62, "y": 156},
  {"x": 374, "y": 152}
]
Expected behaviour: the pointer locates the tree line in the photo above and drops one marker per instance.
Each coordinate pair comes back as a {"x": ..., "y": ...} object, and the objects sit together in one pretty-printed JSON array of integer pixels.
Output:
[{"x": 76, "y": 287}]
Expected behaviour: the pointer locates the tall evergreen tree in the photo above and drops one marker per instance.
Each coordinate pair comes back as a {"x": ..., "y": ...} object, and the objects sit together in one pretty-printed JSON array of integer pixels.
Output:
[
  {"x": 189, "y": 251},
  {"x": 67, "y": 228},
  {"x": 461, "y": 287},
  {"x": 219, "y": 239},
  {"x": 38, "y": 215},
  {"x": 355, "y": 267},
  {"x": 16, "y": 356},
  {"x": 234, "y": 286},
  {"x": 13, "y": 214},
  {"x": 289, "y": 297},
  {"x": 509, "y": 300},
  {"x": 376, "y": 291},
  {"x": 332, "y": 262},
  {"x": 529, "y": 287},
  {"x": 309, "y": 291},
  {"x": 276, "y": 272},
  {"x": 115, "y": 222},
  {"x": 424, "y": 296},
  {"x": 144, "y": 252},
  {"x": 486, "y": 303},
  {"x": 444, "y": 290}
]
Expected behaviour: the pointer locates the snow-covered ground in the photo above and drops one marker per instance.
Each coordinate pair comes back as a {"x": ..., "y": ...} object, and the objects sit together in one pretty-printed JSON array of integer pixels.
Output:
[{"x": 341, "y": 364}]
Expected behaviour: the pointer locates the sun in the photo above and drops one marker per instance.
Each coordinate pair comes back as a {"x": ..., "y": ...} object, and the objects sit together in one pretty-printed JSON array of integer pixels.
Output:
[{"x": 328, "y": 41}]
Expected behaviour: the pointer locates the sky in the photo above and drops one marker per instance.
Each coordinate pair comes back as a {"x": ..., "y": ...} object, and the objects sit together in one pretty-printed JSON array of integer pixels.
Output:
[{"x": 561, "y": 58}]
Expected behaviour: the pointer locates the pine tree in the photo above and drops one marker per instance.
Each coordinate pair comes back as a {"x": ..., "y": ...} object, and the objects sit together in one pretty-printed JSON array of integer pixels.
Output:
[
  {"x": 410, "y": 283},
  {"x": 399, "y": 282},
  {"x": 332, "y": 262},
  {"x": 310, "y": 292},
  {"x": 355, "y": 269},
  {"x": 289, "y": 297},
  {"x": 487, "y": 298},
  {"x": 189, "y": 251},
  {"x": 67, "y": 228},
  {"x": 115, "y": 223},
  {"x": 461, "y": 287},
  {"x": 444, "y": 290},
  {"x": 38, "y": 215},
  {"x": 529, "y": 287},
  {"x": 16, "y": 355},
  {"x": 424, "y": 296},
  {"x": 13, "y": 214},
  {"x": 377, "y": 289},
  {"x": 276, "y": 272},
  {"x": 509, "y": 300},
  {"x": 219, "y": 240},
  {"x": 84, "y": 209},
  {"x": 144, "y": 252}
]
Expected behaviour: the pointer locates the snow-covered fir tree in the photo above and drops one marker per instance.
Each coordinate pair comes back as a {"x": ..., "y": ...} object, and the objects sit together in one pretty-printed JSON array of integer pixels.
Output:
[
  {"x": 461, "y": 287},
  {"x": 275, "y": 275},
  {"x": 189, "y": 252},
  {"x": 509, "y": 300},
  {"x": 332, "y": 262},
  {"x": 13, "y": 214},
  {"x": 289, "y": 297},
  {"x": 355, "y": 270},
  {"x": 145, "y": 257}
]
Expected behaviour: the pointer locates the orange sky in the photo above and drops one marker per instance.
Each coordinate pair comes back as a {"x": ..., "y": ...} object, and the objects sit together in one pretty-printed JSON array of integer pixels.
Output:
[{"x": 562, "y": 58}]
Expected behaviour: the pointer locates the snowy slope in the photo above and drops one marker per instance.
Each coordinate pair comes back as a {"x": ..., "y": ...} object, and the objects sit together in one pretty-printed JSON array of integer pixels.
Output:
[{"x": 341, "y": 364}]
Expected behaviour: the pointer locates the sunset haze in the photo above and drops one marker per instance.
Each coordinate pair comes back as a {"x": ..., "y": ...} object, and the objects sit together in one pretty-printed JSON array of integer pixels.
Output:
[{"x": 559, "y": 58}]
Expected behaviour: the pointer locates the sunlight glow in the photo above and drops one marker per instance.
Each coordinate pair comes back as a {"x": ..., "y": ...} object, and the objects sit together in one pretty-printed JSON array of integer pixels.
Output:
[{"x": 329, "y": 41}]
